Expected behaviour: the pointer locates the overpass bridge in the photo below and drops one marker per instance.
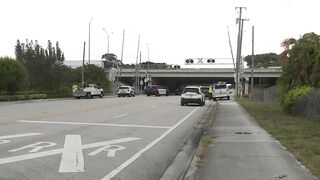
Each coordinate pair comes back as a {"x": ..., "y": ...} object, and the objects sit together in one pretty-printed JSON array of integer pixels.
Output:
[{"x": 177, "y": 78}]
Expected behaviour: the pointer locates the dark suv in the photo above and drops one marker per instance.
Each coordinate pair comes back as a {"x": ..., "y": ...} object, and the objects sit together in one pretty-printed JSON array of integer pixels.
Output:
[{"x": 156, "y": 90}]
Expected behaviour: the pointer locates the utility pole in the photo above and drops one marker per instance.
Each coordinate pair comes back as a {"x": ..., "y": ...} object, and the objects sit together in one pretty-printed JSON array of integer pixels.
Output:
[
  {"x": 82, "y": 71},
  {"x": 136, "y": 69},
  {"x": 89, "y": 39},
  {"x": 234, "y": 66},
  {"x": 121, "y": 58},
  {"x": 252, "y": 63},
  {"x": 140, "y": 84},
  {"x": 239, "y": 44}
]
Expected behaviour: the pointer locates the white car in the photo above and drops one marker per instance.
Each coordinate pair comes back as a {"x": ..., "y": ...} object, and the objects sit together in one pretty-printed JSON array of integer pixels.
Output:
[
  {"x": 220, "y": 90},
  {"x": 126, "y": 91},
  {"x": 192, "y": 94},
  {"x": 88, "y": 91}
]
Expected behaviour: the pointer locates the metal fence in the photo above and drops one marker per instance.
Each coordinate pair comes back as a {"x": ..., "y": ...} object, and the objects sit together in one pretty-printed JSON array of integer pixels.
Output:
[
  {"x": 268, "y": 95},
  {"x": 309, "y": 106}
]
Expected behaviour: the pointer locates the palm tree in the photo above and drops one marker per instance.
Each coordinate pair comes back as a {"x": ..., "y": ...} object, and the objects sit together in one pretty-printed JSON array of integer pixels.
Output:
[
  {"x": 301, "y": 61},
  {"x": 113, "y": 59}
]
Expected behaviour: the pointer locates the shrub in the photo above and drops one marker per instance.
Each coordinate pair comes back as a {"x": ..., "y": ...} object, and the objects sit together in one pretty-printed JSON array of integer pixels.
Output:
[
  {"x": 293, "y": 96},
  {"x": 12, "y": 75},
  {"x": 21, "y": 97}
]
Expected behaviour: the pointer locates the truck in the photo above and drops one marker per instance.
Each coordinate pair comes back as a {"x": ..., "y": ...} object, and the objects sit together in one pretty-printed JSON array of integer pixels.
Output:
[{"x": 87, "y": 91}]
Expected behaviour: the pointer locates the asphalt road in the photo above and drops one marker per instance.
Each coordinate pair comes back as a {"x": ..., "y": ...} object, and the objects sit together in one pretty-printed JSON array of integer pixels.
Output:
[{"x": 109, "y": 138}]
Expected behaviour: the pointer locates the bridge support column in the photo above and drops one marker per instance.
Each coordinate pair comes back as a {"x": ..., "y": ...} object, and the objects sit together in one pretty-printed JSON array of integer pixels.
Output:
[{"x": 246, "y": 86}]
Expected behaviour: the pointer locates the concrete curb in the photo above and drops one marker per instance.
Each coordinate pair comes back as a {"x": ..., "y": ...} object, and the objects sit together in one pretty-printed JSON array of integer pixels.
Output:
[
  {"x": 180, "y": 166},
  {"x": 193, "y": 170}
]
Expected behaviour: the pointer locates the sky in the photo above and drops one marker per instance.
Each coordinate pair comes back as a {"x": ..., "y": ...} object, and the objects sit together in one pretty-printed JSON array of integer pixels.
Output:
[{"x": 174, "y": 30}]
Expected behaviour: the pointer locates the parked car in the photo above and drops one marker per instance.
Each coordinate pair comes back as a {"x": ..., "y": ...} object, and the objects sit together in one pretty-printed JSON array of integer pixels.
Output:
[
  {"x": 192, "y": 94},
  {"x": 157, "y": 90},
  {"x": 126, "y": 91},
  {"x": 220, "y": 90}
]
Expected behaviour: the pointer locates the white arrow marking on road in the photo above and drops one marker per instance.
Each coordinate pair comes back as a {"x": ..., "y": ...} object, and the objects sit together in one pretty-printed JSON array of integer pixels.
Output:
[
  {"x": 59, "y": 151},
  {"x": 72, "y": 156},
  {"x": 110, "y": 148},
  {"x": 4, "y": 139}
]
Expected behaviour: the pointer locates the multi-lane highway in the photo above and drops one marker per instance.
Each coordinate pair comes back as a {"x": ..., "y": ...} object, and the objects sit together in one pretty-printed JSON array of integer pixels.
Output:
[{"x": 109, "y": 138}]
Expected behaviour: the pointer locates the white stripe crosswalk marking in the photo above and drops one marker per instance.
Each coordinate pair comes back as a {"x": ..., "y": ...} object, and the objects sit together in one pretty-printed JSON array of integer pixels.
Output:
[{"x": 72, "y": 155}]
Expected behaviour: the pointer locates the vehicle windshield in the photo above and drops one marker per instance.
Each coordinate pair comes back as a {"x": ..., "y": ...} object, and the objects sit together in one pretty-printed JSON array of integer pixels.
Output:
[
  {"x": 204, "y": 89},
  {"x": 123, "y": 87},
  {"x": 195, "y": 90},
  {"x": 222, "y": 86}
]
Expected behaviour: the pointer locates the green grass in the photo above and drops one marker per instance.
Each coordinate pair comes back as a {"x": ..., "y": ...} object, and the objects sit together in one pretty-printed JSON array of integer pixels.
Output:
[{"x": 300, "y": 136}]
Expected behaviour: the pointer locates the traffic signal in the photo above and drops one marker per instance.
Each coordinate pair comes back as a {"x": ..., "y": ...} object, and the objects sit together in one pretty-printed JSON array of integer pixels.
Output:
[{"x": 211, "y": 61}]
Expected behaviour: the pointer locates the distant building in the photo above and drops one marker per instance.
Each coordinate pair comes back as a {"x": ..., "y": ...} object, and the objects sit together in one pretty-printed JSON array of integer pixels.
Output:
[{"x": 77, "y": 63}]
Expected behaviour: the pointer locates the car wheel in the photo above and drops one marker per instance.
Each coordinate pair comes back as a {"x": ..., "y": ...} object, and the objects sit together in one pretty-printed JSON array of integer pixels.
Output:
[
  {"x": 101, "y": 95},
  {"x": 129, "y": 94},
  {"x": 119, "y": 95},
  {"x": 89, "y": 96},
  {"x": 148, "y": 94},
  {"x": 214, "y": 99},
  {"x": 77, "y": 97},
  {"x": 228, "y": 97},
  {"x": 182, "y": 103}
]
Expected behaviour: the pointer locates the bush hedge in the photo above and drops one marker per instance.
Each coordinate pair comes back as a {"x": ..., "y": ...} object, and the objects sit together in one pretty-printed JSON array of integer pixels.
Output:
[
  {"x": 20, "y": 97},
  {"x": 293, "y": 96}
]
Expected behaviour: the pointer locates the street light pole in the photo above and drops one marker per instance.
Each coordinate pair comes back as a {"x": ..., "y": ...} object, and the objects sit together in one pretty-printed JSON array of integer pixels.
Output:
[
  {"x": 104, "y": 29},
  {"x": 148, "y": 55},
  {"x": 89, "y": 39}
]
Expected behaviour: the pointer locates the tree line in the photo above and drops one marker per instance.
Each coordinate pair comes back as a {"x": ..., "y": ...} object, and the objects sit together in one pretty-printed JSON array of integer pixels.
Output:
[{"x": 42, "y": 69}]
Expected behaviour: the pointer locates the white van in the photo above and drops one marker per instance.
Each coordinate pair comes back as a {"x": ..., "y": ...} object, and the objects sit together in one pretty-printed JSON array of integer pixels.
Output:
[{"x": 220, "y": 90}]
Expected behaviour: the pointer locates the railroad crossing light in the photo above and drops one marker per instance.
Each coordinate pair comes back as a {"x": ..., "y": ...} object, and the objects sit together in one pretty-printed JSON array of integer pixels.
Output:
[
  {"x": 189, "y": 61},
  {"x": 211, "y": 61},
  {"x": 176, "y": 67}
]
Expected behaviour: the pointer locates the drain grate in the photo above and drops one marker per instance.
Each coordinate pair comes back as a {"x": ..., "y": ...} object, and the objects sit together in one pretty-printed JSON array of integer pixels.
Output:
[{"x": 243, "y": 132}]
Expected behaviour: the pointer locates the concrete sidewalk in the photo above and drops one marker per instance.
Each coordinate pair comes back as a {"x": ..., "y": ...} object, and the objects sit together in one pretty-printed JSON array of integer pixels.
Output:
[{"x": 242, "y": 150}]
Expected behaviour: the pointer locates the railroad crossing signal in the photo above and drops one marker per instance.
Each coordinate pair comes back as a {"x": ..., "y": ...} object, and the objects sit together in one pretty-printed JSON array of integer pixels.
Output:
[{"x": 200, "y": 61}]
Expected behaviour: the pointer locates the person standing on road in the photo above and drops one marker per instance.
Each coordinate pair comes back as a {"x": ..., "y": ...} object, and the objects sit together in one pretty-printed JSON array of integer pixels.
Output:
[{"x": 210, "y": 91}]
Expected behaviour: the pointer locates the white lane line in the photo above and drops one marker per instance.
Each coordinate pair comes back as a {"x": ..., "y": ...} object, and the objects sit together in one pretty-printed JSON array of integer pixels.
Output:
[
  {"x": 19, "y": 135},
  {"x": 94, "y": 124},
  {"x": 149, "y": 146},
  {"x": 152, "y": 107},
  {"x": 123, "y": 115},
  {"x": 59, "y": 151},
  {"x": 72, "y": 155}
]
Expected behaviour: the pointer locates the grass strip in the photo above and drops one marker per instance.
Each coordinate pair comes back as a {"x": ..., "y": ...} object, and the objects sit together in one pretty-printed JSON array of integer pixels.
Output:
[{"x": 300, "y": 136}]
